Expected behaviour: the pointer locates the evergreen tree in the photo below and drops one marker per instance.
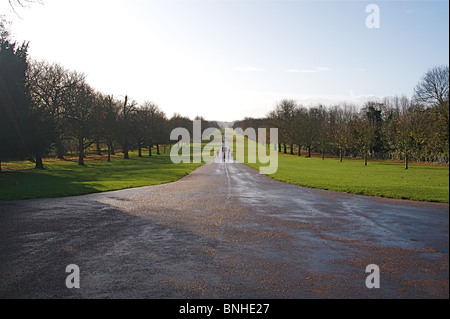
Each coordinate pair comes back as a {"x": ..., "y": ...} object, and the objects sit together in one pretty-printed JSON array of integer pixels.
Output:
[{"x": 14, "y": 100}]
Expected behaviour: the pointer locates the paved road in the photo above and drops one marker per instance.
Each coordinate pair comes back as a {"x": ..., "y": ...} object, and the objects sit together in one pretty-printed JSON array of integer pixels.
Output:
[{"x": 223, "y": 232}]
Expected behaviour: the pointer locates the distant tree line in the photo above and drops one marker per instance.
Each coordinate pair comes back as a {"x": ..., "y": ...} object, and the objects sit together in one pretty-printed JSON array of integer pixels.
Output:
[
  {"x": 46, "y": 109},
  {"x": 396, "y": 128}
]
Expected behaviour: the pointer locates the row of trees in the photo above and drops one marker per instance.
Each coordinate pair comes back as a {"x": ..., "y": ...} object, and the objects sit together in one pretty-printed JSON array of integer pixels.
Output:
[
  {"x": 396, "y": 128},
  {"x": 46, "y": 108},
  {"x": 73, "y": 115}
]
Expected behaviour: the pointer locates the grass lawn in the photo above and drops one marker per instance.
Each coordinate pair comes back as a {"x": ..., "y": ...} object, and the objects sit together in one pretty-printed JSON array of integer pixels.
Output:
[
  {"x": 421, "y": 182},
  {"x": 65, "y": 178}
]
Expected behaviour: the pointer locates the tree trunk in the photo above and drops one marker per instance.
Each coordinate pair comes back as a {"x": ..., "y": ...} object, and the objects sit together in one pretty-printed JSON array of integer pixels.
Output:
[
  {"x": 292, "y": 149},
  {"x": 125, "y": 151},
  {"x": 39, "y": 163},
  {"x": 81, "y": 152},
  {"x": 81, "y": 160},
  {"x": 285, "y": 148},
  {"x": 157, "y": 149},
  {"x": 109, "y": 152},
  {"x": 406, "y": 161},
  {"x": 60, "y": 151},
  {"x": 99, "y": 150},
  {"x": 309, "y": 151},
  {"x": 279, "y": 147},
  {"x": 299, "y": 150},
  {"x": 365, "y": 158},
  {"x": 341, "y": 155},
  {"x": 140, "y": 150},
  {"x": 150, "y": 150},
  {"x": 323, "y": 155}
]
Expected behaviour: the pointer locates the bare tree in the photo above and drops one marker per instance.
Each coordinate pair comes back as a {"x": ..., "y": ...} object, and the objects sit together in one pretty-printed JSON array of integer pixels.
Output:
[
  {"x": 311, "y": 127},
  {"x": 274, "y": 119},
  {"x": 433, "y": 91},
  {"x": 108, "y": 120},
  {"x": 140, "y": 121},
  {"x": 300, "y": 119},
  {"x": 285, "y": 111},
  {"x": 49, "y": 86},
  {"x": 80, "y": 117},
  {"x": 404, "y": 130},
  {"x": 342, "y": 134},
  {"x": 323, "y": 129},
  {"x": 158, "y": 126},
  {"x": 125, "y": 125},
  {"x": 434, "y": 86},
  {"x": 365, "y": 129}
]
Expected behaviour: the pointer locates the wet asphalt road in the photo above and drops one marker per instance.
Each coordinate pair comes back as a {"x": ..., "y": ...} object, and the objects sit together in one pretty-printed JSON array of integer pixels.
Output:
[{"x": 223, "y": 232}]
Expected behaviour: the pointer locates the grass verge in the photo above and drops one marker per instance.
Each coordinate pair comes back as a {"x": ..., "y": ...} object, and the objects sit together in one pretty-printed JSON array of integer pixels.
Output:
[
  {"x": 66, "y": 178},
  {"x": 421, "y": 182}
]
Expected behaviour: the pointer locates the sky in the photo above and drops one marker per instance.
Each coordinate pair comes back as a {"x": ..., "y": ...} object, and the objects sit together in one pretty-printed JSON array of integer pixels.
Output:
[{"x": 229, "y": 59}]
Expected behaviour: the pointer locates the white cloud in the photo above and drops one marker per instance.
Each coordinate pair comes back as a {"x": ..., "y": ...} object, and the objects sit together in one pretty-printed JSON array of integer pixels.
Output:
[
  {"x": 265, "y": 101},
  {"x": 249, "y": 69},
  {"x": 316, "y": 70},
  {"x": 300, "y": 71}
]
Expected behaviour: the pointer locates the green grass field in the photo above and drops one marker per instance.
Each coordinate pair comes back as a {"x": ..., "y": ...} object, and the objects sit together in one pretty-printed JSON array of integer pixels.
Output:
[
  {"x": 65, "y": 178},
  {"x": 421, "y": 182},
  {"x": 380, "y": 178}
]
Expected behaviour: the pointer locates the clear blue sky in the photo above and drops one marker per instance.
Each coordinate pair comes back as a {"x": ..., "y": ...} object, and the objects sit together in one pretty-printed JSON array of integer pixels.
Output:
[{"x": 226, "y": 60}]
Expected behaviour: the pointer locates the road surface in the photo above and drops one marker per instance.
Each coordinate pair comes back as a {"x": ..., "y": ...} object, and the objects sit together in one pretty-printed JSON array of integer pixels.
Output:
[{"x": 223, "y": 232}]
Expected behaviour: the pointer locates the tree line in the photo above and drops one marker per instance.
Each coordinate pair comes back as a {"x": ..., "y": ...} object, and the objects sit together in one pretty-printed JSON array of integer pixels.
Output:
[
  {"x": 47, "y": 109},
  {"x": 396, "y": 128}
]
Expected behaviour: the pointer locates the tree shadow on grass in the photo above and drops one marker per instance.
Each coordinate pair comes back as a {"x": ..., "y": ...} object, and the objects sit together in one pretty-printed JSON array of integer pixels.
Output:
[
  {"x": 31, "y": 184},
  {"x": 71, "y": 180}
]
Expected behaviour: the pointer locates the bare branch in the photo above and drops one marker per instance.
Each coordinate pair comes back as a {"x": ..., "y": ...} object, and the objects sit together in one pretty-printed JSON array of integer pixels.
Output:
[
  {"x": 14, "y": 4},
  {"x": 434, "y": 86}
]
